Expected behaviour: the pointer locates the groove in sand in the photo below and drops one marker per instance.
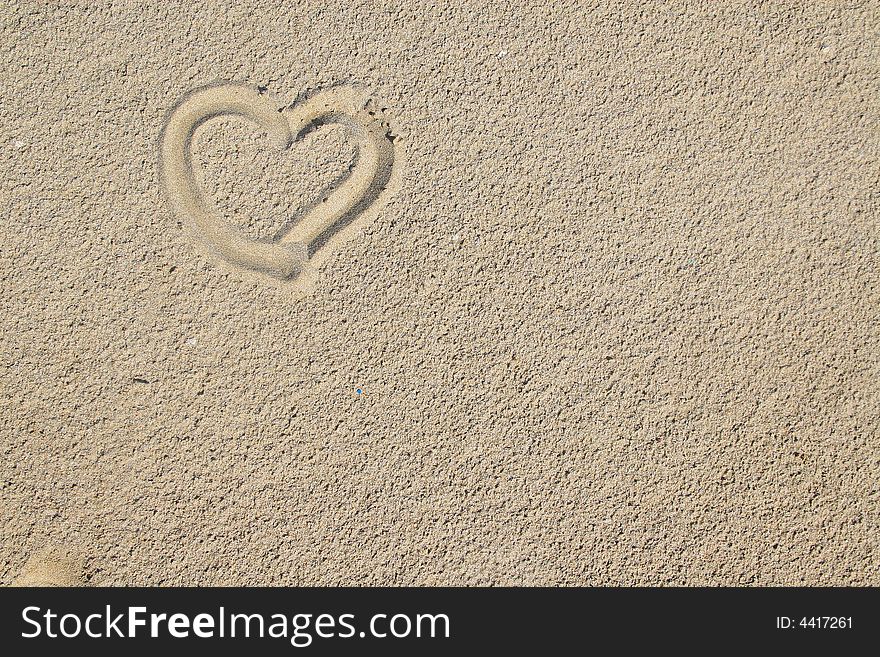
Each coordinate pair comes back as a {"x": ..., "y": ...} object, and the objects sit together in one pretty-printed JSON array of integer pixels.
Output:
[{"x": 289, "y": 253}]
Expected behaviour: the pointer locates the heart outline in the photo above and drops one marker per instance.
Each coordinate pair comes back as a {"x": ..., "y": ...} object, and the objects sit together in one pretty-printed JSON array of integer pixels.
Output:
[{"x": 292, "y": 250}]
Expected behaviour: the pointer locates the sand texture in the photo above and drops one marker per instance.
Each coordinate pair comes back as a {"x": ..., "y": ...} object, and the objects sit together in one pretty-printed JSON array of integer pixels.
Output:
[
  {"x": 342, "y": 293},
  {"x": 51, "y": 567}
]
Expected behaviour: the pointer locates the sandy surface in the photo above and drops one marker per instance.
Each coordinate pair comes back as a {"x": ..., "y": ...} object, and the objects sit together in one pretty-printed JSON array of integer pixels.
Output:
[{"x": 617, "y": 324}]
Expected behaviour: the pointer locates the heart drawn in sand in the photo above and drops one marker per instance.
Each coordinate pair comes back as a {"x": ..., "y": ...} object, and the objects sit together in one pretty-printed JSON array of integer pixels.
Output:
[{"x": 298, "y": 246}]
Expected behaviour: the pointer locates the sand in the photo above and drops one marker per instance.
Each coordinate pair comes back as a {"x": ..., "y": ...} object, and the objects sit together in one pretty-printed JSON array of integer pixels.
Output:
[
  {"x": 51, "y": 567},
  {"x": 593, "y": 298}
]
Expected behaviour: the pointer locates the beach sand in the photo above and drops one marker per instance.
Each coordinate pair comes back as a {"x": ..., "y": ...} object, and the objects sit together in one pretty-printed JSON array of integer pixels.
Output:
[{"x": 604, "y": 310}]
